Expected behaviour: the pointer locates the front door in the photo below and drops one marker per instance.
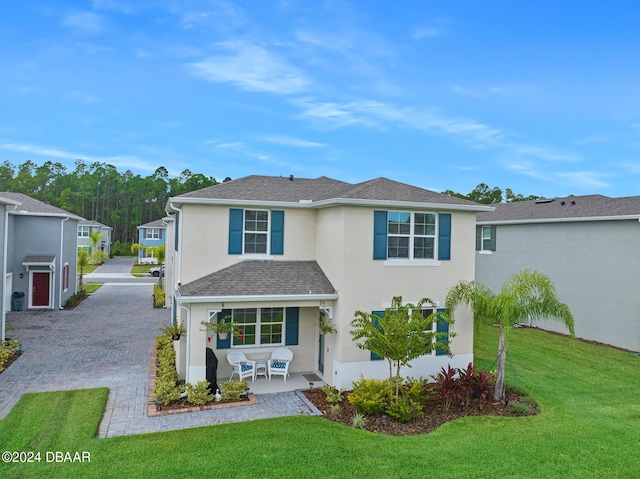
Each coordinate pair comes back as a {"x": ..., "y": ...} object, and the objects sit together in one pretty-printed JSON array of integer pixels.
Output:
[{"x": 40, "y": 289}]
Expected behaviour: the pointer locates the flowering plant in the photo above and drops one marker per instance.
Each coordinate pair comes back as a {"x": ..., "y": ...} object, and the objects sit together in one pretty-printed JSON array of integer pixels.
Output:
[{"x": 225, "y": 325}]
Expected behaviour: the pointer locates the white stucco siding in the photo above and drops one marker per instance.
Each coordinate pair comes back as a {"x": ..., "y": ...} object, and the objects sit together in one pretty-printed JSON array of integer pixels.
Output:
[
  {"x": 366, "y": 284},
  {"x": 594, "y": 265}
]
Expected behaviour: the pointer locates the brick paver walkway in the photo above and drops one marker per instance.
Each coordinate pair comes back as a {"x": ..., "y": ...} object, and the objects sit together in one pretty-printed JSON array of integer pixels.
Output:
[{"x": 106, "y": 342}]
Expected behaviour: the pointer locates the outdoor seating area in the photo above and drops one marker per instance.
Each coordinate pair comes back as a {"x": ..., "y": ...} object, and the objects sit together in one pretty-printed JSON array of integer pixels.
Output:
[
  {"x": 276, "y": 365},
  {"x": 295, "y": 381}
]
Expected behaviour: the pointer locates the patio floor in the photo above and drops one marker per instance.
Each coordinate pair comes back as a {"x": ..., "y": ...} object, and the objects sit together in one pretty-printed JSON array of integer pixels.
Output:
[{"x": 295, "y": 381}]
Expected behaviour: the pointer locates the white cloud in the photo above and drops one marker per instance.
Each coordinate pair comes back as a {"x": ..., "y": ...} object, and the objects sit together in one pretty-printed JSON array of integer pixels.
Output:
[
  {"x": 290, "y": 141},
  {"x": 251, "y": 67},
  {"x": 420, "y": 33},
  {"x": 585, "y": 179},
  {"x": 120, "y": 161},
  {"x": 85, "y": 23}
]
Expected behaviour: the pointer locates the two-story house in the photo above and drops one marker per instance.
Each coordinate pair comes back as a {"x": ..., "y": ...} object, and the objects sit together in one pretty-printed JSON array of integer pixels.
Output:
[
  {"x": 85, "y": 242},
  {"x": 588, "y": 245},
  {"x": 151, "y": 235},
  {"x": 276, "y": 253},
  {"x": 39, "y": 253}
]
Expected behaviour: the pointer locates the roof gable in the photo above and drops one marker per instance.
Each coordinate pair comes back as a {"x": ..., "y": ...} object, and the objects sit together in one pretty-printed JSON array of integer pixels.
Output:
[{"x": 33, "y": 206}]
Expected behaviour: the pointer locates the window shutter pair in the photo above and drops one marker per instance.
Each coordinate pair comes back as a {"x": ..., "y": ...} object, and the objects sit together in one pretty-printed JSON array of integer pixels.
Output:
[
  {"x": 380, "y": 235},
  {"x": 492, "y": 246},
  {"x": 236, "y": 226}
]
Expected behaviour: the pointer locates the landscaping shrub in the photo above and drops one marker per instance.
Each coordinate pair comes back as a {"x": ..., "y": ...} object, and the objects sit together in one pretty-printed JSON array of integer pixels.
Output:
[
  {"x": 414, "y": 390},
  {"x": 371, "y": 396},
  {"x": 448, "y": 384},
  {"x": 198, "y": 394},
  {"x": 158, "y": 296},
  {"x": 166, "y": 388},
  {"x": 531, "y": 401},
  {"x": 467, "y": 377},
  {"x": 359, "y": 421},
  {"x": 482, "y": 384},
  {"x": 75, "y": 299},
  {"x": 404, "y": 410},
  {"x": 333, "y": 396},
  {"x": 232, "y": 390},
  {"x": 7, "y": 350},
  {"x": 336, "y": 409}
]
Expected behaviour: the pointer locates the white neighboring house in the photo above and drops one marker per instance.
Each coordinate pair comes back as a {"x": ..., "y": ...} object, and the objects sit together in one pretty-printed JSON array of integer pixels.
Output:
[
  {"x": 85, "y": 227},
  {"x": 277, "y": 253},
  {"x": 588, "y": 245}
]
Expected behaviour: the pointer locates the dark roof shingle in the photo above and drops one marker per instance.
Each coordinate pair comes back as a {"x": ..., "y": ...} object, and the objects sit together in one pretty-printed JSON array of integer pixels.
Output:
[
  {"x": 589, "y": 206},
  {"x": 262, "y": 278}
]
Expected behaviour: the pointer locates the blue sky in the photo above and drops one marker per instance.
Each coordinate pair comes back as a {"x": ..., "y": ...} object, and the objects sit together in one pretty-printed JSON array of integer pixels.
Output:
[{"x": 542, "y": 97}]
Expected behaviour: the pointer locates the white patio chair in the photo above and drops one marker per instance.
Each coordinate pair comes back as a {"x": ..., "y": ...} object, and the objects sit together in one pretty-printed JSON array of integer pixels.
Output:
[
  {"x": 243, "y": 367},
  {"x": 278, "y": 363}
]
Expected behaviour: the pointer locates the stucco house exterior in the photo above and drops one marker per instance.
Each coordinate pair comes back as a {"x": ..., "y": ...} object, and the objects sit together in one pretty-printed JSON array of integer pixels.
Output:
[
  {"x": 152, "y": 234},
  {"x": 276, "y": 253},
  {"x": 588, "y": 245},
  {"x": 85, "y": 227},
  {"x": 39, "y": 253}
]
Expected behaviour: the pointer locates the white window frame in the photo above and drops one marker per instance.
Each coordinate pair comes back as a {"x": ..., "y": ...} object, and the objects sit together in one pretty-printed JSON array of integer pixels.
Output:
[
  {"x": 84, "y": 231},
  {"x": 412, "y": 236},
  {"x": 483, "y": 249},
  {"x": 152, "y": 233},
  {"x": 259, "y": 322},
  {"x": 267, "y": 233}
]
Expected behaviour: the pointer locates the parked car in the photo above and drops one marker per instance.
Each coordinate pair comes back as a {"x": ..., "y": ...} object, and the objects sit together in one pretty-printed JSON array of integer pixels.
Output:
[{"x": 156, "y": 271}]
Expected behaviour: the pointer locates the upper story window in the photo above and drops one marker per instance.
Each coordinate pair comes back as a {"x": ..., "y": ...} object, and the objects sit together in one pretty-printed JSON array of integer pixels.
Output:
[
  {"x": 411, "y": 235},
  {"x": 256, "y": 231},
  {"x": 423, "y": 238},
  {"x": 83, "y": 231},
  {"x": 152, "y": 233},
  {"x": 485, "y": 239}
]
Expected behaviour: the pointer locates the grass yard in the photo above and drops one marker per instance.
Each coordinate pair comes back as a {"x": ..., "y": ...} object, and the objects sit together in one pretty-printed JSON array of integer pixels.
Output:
[
  {"x": 589, "y": 427},
  {"x": 142, "y": 270}
]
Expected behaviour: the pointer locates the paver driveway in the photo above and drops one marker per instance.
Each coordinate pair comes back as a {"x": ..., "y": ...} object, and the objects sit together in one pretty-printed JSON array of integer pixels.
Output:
[{"x": 106, "y": 342}]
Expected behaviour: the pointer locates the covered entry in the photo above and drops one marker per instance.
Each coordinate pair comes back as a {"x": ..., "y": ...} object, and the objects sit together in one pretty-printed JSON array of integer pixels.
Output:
[{"x": 40, "y": 269}]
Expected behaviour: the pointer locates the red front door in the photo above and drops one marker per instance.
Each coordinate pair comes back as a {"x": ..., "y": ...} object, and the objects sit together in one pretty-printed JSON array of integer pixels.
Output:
[{"x": 40, "y": 289}]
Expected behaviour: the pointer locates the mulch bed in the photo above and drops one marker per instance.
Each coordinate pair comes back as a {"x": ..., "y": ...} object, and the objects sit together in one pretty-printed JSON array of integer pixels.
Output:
[{"x": 433, "y": 415}]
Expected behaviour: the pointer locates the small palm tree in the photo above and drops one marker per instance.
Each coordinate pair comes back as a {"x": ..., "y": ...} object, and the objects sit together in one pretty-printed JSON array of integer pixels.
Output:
[
  {"x": 96, "y": 236},
  {"x": 525, "y": 295},
  {"x": 83, "y": 261}
]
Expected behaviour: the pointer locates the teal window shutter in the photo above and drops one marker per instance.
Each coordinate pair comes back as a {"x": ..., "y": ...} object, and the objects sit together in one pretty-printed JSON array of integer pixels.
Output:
[
  {"x": 175, "y": 233},
  {"x": 292, "y": 320},
  {"x": 277, "y": 232},
  {"x": 380, "y": 314},
  {"x": 478, "y": 238},
  {"x": 379, "y": 235},
  {"x": 444, "y": 236},
  {"x": 442, "y": 327},
  {"x": 223, "y": 343},
  {"x": 236, "y": 217},
  {"x": 493, "y": 239}
]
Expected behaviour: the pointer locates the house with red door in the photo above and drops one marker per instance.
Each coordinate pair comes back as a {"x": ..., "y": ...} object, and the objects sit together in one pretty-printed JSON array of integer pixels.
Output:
[{"x": 39, "y": 245}]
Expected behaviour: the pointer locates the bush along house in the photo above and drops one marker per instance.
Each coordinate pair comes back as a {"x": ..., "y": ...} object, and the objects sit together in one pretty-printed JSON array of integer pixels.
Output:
[{"x": 281, "y": 255}]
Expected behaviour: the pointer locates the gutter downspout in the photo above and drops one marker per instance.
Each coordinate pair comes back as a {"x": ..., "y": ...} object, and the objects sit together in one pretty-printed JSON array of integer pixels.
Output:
[
  {"x": 188, "y": 349},
  {"x": 61, "y": 266},
  {"x": 177, "y": 274},
  {"x": 5, "y": 240}
]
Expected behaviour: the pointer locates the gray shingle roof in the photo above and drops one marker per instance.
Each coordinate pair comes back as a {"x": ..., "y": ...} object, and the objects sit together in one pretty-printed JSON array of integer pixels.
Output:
[
  {"x": 31, "y": 205},
  {"x": 262, "y": 278},
  {"x": 86, "y": 222},
  {"x": 284, "y": 189},
  {"x": 154, "y": 224},
  {"x": 571, "y": 207}
]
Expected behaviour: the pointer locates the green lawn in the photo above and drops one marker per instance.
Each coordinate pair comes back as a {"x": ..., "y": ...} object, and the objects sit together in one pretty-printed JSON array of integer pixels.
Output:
[
  {"x": 142, "y": 270},
  {"x": 589, "y": 427}
]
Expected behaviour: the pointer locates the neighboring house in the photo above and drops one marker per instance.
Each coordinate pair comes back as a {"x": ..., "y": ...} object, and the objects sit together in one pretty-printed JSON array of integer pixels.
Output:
[
  {"x": 85, "y": 227},
  {"x": 588, "y": 245},
  {"x": 277, "y": 253},
  {"x": 151, "y": 235},
  {"x": 39, "y": 252}
]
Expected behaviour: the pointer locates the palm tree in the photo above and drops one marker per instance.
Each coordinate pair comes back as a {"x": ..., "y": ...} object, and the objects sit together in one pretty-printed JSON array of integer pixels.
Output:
[
  {"x": 525, "y": 295},
  {"x": 96, "y": 236},
  {"x": 83, "y": 261}
]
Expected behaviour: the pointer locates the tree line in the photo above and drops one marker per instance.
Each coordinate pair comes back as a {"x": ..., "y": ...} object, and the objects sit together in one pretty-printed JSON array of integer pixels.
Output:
[{"x": 99, "y": 192}]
